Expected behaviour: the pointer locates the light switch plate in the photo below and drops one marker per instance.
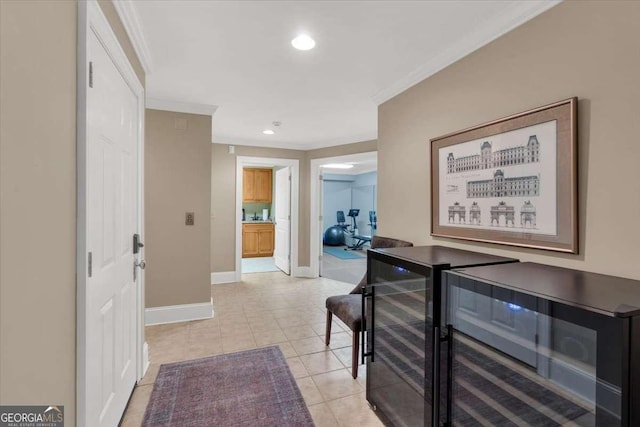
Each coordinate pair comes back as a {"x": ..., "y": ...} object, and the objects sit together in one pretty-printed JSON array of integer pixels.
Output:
[{"x": 190, "y": 218}]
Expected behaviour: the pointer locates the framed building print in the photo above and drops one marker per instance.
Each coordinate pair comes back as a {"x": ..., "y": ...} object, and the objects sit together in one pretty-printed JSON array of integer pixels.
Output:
[{"x": 512, "y": 181}]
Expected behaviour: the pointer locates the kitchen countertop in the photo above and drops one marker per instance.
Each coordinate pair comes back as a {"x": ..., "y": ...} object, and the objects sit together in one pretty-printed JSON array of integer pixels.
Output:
[{"x": 258, "y": 222}]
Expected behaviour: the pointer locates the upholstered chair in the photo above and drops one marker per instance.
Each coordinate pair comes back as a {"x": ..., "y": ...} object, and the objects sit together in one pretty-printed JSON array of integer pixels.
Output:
[{"x": 348, "y": 308}]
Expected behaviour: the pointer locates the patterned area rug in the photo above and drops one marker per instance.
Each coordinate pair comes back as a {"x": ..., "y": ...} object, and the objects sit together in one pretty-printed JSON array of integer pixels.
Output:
[{"x": 248, "y": 388}]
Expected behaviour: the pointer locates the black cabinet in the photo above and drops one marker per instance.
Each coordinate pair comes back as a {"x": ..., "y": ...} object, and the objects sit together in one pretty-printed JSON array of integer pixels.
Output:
[
  {"x": 500, "y": 343},
  {"x": 540, "y": 345},
  {"x": 403, "y": 306}
]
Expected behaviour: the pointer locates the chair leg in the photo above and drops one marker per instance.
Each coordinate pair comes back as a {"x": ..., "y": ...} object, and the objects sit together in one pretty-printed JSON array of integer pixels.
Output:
[
  {"x": 327, "y": 336},
  {"x": 354, "y": 354}
]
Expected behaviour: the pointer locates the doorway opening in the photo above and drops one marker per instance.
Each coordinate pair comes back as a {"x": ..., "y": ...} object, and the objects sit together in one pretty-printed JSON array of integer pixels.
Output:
[
  {"x": 343, "y": 214},
  {"x": 267, "y": 215}
]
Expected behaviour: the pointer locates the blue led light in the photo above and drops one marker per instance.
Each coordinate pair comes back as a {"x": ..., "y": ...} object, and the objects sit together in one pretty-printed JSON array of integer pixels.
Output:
[
  {"x": 400, "y": 269},
  {"x": 513, "y": 307}
]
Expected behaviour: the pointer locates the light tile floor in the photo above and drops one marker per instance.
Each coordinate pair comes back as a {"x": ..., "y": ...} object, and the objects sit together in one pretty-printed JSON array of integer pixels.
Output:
[
  {"x": 259, "y": 265},
  {"x": 344, "y": 270},
  {"x": 270, "y": 309}
]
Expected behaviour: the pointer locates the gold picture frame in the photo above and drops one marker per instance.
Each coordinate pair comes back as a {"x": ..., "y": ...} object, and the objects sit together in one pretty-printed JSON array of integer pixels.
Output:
[{"x": 512, "y": 181}]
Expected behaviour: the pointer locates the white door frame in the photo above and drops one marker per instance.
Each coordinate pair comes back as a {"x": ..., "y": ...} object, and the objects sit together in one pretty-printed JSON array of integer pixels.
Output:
[
  {"x": 91, "y": 19},
  {"x": 241, "y": 162},
  {"x": 315, "y": 208}
]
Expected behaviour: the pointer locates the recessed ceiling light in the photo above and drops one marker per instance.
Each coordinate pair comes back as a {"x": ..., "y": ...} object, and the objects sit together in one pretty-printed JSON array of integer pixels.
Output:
[
  {"x": 337, "y": 166},
  {"x": 303, "y": 42},
  {"x": 268, "y": 132}
]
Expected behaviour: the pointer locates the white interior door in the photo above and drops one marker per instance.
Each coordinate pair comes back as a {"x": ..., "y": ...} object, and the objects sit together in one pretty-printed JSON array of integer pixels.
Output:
[
  {"x": 282, "y": 252},
  {"x": 112, "y": 219},
  {"x": 322, "y": 220}
]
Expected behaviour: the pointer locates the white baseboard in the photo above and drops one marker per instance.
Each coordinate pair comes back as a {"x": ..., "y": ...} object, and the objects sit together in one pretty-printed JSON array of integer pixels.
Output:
[
  {"x": 178, "y": 313},
  {"x": 223, "y": 277},
  {"x": 304, "y": 272},
  {"x": 232, "y": 276}
]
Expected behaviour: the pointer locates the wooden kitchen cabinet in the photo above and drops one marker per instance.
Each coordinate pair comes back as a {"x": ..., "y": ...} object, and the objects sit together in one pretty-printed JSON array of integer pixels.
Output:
[
  {"x": 257, "y": 185},
  {"x": 257, "y": 240},
  {"x": 248, "y": 185}
]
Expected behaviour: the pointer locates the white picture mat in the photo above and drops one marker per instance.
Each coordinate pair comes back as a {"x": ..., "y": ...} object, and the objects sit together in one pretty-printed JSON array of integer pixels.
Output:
[{"x": 453, "y": 186}]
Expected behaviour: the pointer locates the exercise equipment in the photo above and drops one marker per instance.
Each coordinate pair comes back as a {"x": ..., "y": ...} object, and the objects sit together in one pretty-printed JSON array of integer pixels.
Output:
[
  {"x": 358, "y": 242},
  {"x": 334, "y": 235},
  {"x": 353, "y": 213},
  {"x": 340, "y": 220},
  {"x": 373, "y": 221}
]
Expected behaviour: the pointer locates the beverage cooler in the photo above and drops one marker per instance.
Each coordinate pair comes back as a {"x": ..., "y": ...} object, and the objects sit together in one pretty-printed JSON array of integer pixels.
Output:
[
  {"x": 530, "y": 344},
  {"x": 402, "y": 328},
  {"x": 451, "y": 344}
]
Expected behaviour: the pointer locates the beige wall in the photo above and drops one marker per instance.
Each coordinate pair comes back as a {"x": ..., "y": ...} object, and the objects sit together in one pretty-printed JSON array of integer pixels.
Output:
[
  {"x": 584, "y": 49},
  {"x": 38, "y": 202},
  {"x": 37, "y": 212},
  {"x": 177, "y": 180},
  {"x": 223, "y": 195}
]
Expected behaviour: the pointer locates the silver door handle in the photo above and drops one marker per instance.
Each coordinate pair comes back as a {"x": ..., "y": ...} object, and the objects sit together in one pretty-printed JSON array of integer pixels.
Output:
[{"x": 137, "y": 264}]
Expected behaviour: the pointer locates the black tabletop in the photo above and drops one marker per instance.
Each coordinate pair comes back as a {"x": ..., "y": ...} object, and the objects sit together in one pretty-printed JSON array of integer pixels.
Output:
[
  {"x": 441, "y": 255},
  {"x": 614, "y": 296}
]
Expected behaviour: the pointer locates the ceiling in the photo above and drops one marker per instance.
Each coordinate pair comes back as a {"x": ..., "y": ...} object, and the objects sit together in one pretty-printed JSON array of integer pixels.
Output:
[
  {"x": 361, "y": 162},
  {"x": 235, "y": 58}
]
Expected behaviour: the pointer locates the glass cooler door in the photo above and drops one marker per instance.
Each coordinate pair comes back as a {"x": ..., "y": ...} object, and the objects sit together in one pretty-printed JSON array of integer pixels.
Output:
[
  {"x": 398, "y": 323},
  {"x": 522, "y": 360}
]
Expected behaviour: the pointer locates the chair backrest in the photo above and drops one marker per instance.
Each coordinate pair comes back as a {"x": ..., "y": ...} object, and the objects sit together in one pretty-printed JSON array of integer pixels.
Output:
[{"x": 379, "y": 242}]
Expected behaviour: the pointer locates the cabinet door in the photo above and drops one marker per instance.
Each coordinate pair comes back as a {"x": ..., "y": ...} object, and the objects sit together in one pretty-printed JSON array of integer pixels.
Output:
[
  {"x": 504, "y": 326},
  {"x": 248, "y": 185},
  {"x": 265, "y": 241},
  {"x": 263, "y": 185},
  {"x": 400, "y": 334},
  {"x": 250, "y": 238},
  {"x": 576, "y": 377}
]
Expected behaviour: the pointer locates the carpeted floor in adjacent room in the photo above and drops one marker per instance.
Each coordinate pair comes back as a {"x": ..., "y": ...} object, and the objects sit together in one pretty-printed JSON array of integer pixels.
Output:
[{"x": 266, "y": 309}]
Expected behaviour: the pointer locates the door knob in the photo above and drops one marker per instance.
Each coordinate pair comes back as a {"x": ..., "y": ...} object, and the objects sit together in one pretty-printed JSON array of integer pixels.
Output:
[{"x": 137, "y": 264}]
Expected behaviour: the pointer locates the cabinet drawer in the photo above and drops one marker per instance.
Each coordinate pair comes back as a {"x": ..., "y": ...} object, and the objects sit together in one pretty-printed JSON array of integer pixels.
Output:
[{"x": 257, "y": 227}]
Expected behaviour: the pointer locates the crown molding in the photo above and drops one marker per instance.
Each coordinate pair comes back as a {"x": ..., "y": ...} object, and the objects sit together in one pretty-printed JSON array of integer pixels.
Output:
[
  {"x": 513, "y": 16},
  {"x": 313, "y": 145},
  {"x": 350, "y": 139},
  {"x": 180, "y": 107},
  {"x": 129, "y": 17},
  {"x": 230, "y": 140},
  {"x": 349, "y": 172}
]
